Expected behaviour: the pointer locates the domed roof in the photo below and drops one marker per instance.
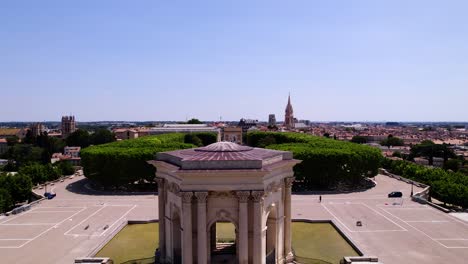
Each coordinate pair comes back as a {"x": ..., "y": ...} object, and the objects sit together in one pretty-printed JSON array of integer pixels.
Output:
[
  {"x": 223, "y": 156},
  {"x": 224, "y": 146}
]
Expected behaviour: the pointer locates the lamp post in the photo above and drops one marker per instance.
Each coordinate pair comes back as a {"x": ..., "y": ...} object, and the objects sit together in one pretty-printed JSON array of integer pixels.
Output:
[{"x": 411, "y": 189}]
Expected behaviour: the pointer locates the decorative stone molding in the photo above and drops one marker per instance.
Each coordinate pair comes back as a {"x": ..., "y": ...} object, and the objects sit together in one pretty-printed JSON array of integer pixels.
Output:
[
  {"x": 173, "y": 188},
  {"x": 243, "y": 196},
  {"x": 201, "y": 196},
  {"x": 226, "y": 194},
  {"x": 289, "y": 182},
  {"x": 273, "y": 187},
  {"x": 187, "y": 197},
  {"x": 257, "y": 196}
]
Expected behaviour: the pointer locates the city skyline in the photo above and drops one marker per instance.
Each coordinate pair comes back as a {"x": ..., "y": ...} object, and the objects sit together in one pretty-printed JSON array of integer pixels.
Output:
[{"x": 341, "y": 61}]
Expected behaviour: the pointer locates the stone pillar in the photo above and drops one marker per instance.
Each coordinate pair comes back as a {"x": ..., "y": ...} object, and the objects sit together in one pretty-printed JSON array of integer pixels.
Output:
[
  {"x": 258, "y": 241},
  {"x": 288, "y": 182},
  {"x": 187, "y": 255},
  {"x": 243, "y": 227},
  {"x": 201, "y": 228},
  {"x": 162, "y": 218}
]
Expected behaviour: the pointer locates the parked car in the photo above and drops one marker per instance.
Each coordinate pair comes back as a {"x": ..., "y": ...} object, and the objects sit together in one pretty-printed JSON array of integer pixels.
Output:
[{"x": 395, "y": 195}]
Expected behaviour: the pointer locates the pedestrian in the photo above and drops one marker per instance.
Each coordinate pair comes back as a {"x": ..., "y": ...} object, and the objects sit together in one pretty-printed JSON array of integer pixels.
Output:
[{"x": 320, "y": 198}]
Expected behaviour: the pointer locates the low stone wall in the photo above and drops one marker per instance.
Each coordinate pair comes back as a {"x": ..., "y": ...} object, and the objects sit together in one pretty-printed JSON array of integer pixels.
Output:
[{"x": 351, "y": 260}]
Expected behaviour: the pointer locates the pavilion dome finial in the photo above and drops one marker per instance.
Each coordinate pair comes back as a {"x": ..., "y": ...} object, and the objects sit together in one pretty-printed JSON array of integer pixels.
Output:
[{"x": 224, "y": 146}]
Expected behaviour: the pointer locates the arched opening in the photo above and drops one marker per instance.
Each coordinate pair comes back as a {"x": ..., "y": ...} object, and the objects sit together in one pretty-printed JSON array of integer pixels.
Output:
[
  {"x": 271, "y": 235},
  {"x": 176, "y": 239},
  {"x": 223, "y": 242}
]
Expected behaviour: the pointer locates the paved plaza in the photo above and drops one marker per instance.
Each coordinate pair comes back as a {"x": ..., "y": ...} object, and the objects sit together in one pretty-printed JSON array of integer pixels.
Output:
[{"x": 78, "y": 220}]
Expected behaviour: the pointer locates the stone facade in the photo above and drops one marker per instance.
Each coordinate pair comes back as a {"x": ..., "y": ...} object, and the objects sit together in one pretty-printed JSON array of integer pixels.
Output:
[{"x": 255, "y": 198}]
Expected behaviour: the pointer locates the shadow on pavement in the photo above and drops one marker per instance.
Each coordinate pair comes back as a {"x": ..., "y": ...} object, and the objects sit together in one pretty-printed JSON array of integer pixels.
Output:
[{"x": 84, "y": 186}]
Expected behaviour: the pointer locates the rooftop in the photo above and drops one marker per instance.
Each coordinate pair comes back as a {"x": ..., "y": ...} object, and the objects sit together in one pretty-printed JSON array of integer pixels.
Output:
[{"x": 222, "y": 156}]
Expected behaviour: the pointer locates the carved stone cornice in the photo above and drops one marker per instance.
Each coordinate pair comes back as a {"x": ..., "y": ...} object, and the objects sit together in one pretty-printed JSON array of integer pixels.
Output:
[
  {"x": 273, "y": 187},
  {"x": 257, "y": 196},
  {"x": 186, "y": 197},
  {"x": 201, "y": 196},
  {"x": 243, "y": 196},
  {"x": 288, "y": 182}
]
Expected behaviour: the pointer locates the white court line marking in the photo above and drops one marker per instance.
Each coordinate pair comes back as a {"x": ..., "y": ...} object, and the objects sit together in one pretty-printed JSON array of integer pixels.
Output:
[
  {"x": 20, "y": 214},
  {"x": 66, "y": 233},
  {"x": 118, "y": 220},
  {"x": 403, "y": 229},
  {"x": 57, "y": 207},
  {"x": 366, "y": 231},
  {"x": 422, "y": 232},
  {"x": 47, "y": 230},
  {"x": 103, "y": 232},
  {"x": 41, "y": 212}
]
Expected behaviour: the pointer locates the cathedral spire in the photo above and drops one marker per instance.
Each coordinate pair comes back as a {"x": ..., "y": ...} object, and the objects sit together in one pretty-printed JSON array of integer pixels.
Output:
[{"x": 289, "y": 116}]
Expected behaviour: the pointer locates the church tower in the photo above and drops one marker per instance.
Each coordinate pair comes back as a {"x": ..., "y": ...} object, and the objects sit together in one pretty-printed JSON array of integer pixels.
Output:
[{"x": 289, "y": 116}]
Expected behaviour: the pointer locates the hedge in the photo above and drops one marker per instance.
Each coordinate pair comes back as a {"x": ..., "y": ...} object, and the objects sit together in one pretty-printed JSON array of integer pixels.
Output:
[
  {"x": 124, "y": 162},
  {"x": 325, "y": 162},
  {"x": 448, "y": 187}
]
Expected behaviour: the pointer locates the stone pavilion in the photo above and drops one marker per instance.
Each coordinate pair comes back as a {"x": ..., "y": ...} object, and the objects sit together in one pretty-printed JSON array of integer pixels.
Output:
[{"x": 225, "y": 182}]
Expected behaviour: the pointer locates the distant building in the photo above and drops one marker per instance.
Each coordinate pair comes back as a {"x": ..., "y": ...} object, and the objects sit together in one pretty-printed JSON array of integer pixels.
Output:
[
  {"x": 3, "y": 145},
  {"x": 125, "y": 133},
  {"x": 271, "y": 120},
  {"x": 11, "y": 132},
  {"x": 68, "y": 125},
  {"x": 70, "y": 154},
  {"x": 36, "y": 129},
  {"x": 232, "y": 134},
  {"x": 245, "y": 124},
  {"x": 289, "y": 115}
]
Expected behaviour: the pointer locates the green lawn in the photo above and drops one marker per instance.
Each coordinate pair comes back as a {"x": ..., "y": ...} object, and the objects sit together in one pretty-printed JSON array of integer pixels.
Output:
[
  {"x": 132, "y": 242},
  {"x": 319, "y": 241},
  {"x": 226, "y": 232},
  {"x": 310, "y": 241}
]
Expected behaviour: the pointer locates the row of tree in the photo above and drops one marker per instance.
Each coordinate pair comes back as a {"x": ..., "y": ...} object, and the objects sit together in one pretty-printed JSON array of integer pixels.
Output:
[
  {"x": 325, "y": 162},
  {"x": 446, "y": 186},
  {"x": 16, "y": 187},
  {"x": 124, "y": 163}
]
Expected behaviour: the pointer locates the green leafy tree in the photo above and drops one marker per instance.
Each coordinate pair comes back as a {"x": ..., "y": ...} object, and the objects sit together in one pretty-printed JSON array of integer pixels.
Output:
[
  {"x": 392, "y": 141},
  {"x": 64, "y": 167},
  {"x": 359, "y": 139},
  {"x": 24, "y": 153},
  {"x": 194, "y": 121},
  {"x": 6, "y": 202},
  {"x": 34, "y": 171},
  {"x": 12, "y": 140},
  {"x": 102, "y": 136},
  {"x": 80, "y": 138},
  {"x": 193, "y": 139}
]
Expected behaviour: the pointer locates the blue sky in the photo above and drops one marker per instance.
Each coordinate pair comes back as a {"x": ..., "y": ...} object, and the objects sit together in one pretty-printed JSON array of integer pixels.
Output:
[{"x": 171, "y": 60}]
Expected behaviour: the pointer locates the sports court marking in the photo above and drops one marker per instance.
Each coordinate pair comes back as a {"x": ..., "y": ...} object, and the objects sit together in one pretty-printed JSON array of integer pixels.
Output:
[
  {"x": 85, "y": 232},
  {"x": 28, "y": 240},
  {"x": 368, "y": 208},
  {"x": 449, "y": 243}
]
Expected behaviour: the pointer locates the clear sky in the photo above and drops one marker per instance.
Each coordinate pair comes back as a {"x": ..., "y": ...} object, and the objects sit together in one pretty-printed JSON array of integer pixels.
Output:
[{"x": 172, "y": 60}]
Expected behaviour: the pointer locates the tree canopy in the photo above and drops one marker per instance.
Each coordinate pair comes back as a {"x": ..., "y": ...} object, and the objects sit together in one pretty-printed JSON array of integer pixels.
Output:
[{"x": 325, "y": 162}]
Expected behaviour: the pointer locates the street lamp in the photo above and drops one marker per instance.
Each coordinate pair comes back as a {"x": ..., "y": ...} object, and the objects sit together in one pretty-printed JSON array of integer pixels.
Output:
[{"x": 411, "y": 189}]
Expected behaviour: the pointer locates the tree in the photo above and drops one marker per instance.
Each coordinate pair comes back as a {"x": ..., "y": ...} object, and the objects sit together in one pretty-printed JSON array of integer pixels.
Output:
[
  {"x": 6, "y": 202},
  {"x": 194, "y": 121},
  {"x": 102, "y": 136},
  {"x": 326, "y": 134},
  {"x": 392, "y": 141},
  {"x": 193, "y": 139},
  {"x": 79, "y": 138},
  {"x": 65, "y": 168},
  {"x": 35, "y": 171},
  {"x": 24, "y": 153},
  {"x": 452, "y": 164},
  {"x": 359, "y": 139}
]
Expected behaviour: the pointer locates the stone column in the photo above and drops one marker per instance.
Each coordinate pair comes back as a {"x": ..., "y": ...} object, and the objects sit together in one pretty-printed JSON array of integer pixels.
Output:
[
  {"x": 243, "y": 227},
  {"x": 187, "y": 255},
  {"x": 258, "y": 248},
  {"x": 162, "y": 218},
  {"x": 201, "y": 228},
  {"x": 288, "y": 182}
]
